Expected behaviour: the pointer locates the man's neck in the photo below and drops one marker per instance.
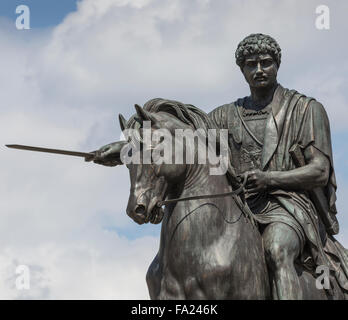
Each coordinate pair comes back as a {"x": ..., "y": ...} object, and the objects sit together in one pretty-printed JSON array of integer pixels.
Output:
[{"x": 261, "y": 97}]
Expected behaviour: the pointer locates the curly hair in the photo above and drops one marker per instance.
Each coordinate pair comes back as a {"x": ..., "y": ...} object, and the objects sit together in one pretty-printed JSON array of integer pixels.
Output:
[{"x": 257, "y": 43}]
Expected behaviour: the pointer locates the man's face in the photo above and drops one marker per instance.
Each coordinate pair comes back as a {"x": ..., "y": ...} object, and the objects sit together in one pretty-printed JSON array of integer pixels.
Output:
[{"x": 260, "y": 70}]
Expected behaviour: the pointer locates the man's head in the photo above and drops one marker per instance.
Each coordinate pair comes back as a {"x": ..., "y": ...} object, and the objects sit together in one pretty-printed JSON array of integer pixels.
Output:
[{"x": 259, "y": 57}]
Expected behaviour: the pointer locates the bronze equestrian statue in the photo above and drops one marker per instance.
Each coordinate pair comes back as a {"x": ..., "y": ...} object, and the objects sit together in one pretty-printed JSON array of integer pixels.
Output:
[{"x": 212, "y": 248}]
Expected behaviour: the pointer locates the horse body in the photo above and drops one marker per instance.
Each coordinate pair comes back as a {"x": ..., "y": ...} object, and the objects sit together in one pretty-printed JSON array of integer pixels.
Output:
[{"x": 208, "y": 249}]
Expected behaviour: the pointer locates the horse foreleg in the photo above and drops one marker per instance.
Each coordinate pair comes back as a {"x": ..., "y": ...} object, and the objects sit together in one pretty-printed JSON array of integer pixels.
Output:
[{"x": 161, "y": 284}]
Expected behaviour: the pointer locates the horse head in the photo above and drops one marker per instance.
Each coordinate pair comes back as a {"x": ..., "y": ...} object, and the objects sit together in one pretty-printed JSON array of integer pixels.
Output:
[{"x": 155, "y": 170}]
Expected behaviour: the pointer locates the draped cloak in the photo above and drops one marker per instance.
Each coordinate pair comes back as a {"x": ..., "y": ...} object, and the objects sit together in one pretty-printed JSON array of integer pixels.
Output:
[{"x": 295, "y": 119}]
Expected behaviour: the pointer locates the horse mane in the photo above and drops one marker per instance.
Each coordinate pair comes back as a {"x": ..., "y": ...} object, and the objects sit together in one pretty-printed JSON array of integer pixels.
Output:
[{"x": 187, "y": 113}]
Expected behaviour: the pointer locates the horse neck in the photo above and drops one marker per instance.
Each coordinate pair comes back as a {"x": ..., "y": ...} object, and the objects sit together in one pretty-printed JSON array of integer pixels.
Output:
[
  {"x": 198, "y": 176},
  {"x": 199, "y": 182}
]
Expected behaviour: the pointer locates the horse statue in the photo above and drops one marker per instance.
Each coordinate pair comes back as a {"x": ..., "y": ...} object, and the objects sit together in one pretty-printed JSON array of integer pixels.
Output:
[{"x": 210, "y": 247}]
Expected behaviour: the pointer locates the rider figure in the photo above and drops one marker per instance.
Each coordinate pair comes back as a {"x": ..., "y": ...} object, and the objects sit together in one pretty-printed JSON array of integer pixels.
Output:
[{"x": 263, "y": 129}]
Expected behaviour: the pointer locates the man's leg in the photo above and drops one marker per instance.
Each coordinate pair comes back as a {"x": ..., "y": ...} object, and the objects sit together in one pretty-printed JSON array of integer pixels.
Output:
[{"x": 282, "y": 247}]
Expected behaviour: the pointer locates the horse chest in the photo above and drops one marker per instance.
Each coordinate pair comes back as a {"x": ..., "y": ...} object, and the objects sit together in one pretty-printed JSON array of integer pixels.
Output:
[{"x": 196, "y": 237}]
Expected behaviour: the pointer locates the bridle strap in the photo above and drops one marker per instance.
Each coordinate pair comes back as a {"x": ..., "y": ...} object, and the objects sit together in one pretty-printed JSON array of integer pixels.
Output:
[{"x": 217, "y": 195}]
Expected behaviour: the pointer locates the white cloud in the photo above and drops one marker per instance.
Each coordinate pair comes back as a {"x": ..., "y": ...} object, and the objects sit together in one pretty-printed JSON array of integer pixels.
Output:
[
  {"x": 97, "y": 265},
  {"x": 64, "y": 87}
]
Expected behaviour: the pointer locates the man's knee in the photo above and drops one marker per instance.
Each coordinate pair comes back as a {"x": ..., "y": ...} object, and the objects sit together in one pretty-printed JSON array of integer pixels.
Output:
[{"x": 282, "y": 245}]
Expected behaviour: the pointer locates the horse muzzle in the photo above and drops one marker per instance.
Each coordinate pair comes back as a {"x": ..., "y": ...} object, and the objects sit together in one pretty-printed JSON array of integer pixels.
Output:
[{"x": 140, "y": 214}]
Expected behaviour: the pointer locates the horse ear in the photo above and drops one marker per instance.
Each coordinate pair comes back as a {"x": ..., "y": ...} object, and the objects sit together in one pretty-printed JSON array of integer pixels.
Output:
[
  {"x": 144, "y": 115},
  {"x": 123, "y": 122}
]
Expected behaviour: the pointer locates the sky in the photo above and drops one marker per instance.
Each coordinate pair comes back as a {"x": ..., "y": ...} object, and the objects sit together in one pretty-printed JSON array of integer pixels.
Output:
[{"x": 65, "y": 80}]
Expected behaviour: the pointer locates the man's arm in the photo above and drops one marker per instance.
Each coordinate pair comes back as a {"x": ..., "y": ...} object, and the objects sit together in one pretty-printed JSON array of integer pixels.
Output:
[{"x": 314, "y": 174}]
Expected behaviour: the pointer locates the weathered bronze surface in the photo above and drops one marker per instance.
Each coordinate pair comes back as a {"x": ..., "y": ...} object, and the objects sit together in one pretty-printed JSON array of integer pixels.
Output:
[{"x": 213, "y": 249}]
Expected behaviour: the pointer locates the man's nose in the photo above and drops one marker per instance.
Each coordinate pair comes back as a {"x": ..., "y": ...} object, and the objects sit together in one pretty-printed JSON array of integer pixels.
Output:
[{"x": 259, "y": 69}]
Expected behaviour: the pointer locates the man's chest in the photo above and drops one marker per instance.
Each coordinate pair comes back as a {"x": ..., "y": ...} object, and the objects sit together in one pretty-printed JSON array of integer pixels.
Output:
[{"x": 247, "y": 137}]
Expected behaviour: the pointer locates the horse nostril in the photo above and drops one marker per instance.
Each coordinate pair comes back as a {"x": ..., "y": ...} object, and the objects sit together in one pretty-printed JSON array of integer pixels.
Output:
[{"x": 140, "y": 209}]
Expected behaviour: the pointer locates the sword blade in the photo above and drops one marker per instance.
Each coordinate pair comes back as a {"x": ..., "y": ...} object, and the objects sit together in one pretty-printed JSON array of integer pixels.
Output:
[{"x": 48, "y": 150}]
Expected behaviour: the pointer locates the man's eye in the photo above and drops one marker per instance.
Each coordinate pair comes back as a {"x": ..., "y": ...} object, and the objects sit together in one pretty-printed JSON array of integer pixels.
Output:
[
  {"x": 251, "y": 64},
  {"x": 266, "y": 63}
]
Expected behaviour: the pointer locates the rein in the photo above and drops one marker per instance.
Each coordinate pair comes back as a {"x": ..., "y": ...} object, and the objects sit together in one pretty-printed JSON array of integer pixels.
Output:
[{"x": 217, "y": 195}]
